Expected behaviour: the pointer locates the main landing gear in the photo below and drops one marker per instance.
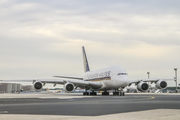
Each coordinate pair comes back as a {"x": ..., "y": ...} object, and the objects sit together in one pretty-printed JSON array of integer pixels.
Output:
[
  {"x": 120, "y": 93},
  {"x": 116, "y": 92},
  {"x": 85, "y": 93},
  {"x": 93, "y": 93},
  {"x": 105, "y": 93},
  {"x": 89, "y": 93}
]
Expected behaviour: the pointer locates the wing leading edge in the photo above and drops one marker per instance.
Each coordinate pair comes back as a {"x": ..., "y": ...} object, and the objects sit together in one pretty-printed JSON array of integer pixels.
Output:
[
  {"x": 148, "y": 80},
  {"x": 76, "y": 83}
]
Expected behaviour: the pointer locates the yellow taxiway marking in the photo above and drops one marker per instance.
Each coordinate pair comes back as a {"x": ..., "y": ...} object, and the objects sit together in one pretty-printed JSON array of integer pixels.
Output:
[
  {"x": 146, "y": 98},
  {"x": 151, "y": 98}
]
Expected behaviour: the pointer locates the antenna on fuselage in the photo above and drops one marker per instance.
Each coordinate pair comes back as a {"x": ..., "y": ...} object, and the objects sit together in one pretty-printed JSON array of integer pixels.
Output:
[{"x": 86, "y": 65}]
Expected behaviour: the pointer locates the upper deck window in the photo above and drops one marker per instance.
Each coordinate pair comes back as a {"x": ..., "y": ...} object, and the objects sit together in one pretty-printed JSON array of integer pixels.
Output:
[{"x": 122, "y": 74}]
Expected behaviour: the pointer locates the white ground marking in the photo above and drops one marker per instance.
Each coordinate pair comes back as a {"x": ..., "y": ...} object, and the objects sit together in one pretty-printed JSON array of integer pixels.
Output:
[
  {"x": 158, "y": 114},
  {"x": 39, "y": 95},
  {"x": 2, "y": 112}
]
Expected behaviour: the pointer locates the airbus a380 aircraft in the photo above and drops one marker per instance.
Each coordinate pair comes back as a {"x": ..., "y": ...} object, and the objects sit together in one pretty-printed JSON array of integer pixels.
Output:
[{"x": 110, "y": 78}]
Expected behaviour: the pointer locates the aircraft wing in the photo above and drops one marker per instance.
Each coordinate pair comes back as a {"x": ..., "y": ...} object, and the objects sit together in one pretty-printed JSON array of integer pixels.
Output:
[
  {"x": 143, "y": 86},
  {"x": 148, "y": 80},
  {"x": 76, "y": 83}
]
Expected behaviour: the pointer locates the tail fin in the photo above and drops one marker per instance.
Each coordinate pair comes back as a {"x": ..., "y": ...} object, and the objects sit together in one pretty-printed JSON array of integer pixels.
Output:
[{"x": 86, "y": 65}]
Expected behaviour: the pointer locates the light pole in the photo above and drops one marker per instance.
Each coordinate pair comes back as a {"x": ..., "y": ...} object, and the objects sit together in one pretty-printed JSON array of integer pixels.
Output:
[
  {"x": 148, "y": 74},
  {"x": 176, "y": 78},
  {"x": 149, "y": 83}
]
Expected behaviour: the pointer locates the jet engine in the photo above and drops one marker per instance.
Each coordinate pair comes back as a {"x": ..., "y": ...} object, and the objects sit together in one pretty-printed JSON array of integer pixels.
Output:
[
  {"x": 161, "y": 84},
  {"x": 142, "y": 86},
  {"x": 69, "y": 87},
  {"x": 38, "y": 86}
]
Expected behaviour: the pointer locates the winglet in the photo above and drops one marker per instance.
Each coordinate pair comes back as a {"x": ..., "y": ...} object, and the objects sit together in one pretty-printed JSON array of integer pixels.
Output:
[{"x": 86, "y": 65}]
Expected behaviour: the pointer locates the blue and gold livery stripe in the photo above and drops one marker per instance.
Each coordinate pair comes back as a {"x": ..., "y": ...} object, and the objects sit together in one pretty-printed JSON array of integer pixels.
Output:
[{"x": 98, "y": 79}]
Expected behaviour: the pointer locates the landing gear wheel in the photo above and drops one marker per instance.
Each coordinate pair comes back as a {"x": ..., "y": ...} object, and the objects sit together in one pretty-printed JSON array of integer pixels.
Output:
[
  {"x": 121, "y": 93},
  {"x": 85, "y": 93},
  {"x": 105, "y": 93},
  {"x": 115, "y": 93},
  {"x": 93, "y": 93}
]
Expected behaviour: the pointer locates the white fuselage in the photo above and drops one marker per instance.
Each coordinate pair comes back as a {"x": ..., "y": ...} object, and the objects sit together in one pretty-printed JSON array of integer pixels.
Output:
[{"x": 111, "y": 77}]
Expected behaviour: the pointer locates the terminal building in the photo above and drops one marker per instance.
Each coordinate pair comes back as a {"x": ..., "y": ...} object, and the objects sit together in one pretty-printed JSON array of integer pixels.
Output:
[
  {"x": 9, "y": 87},
  {"x": 27, "y": 88},
  {"x": 14, "y": 88},
  {"x": 5, "y": 87}
]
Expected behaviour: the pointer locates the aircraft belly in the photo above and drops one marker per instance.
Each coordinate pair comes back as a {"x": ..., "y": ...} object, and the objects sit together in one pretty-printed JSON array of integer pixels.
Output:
[{"x": 113, "y": 84}]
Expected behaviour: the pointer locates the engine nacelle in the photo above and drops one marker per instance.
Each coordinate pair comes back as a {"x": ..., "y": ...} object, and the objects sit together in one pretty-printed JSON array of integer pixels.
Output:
[
  {"x": 69, "y": 87},
  {"x": 142, "y": 86},
  {"x": 38, "y": 86},
  {"x": 161, "y": 84}
]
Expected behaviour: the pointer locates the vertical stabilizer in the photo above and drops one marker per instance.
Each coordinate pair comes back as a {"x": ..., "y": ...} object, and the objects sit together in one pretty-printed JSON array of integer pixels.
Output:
[{"x": 86, "y": 65}]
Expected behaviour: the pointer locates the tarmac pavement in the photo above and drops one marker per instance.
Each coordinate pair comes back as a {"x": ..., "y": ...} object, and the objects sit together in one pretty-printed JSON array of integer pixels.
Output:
[{"x": 76, "y": 106}]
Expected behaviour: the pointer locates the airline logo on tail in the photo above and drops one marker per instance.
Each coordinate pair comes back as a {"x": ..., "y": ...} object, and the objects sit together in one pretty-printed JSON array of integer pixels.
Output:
[{"x": 86, "y": 65}]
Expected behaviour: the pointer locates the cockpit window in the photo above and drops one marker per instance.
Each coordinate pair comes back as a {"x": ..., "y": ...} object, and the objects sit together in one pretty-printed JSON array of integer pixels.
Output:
[{"x": 122, "y": 74}]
